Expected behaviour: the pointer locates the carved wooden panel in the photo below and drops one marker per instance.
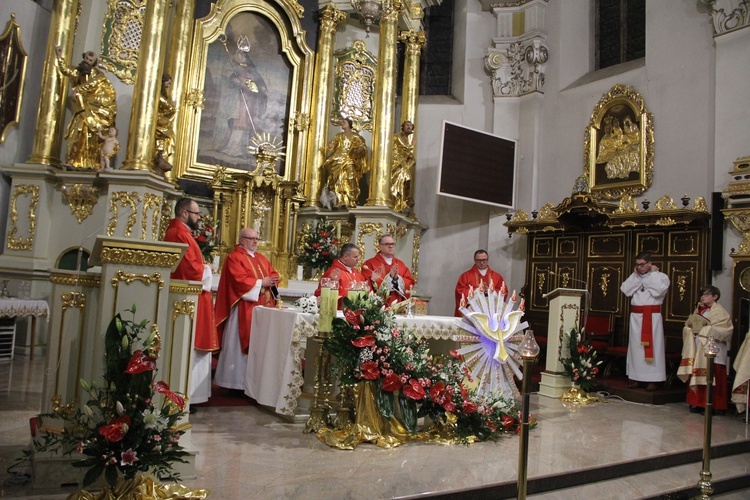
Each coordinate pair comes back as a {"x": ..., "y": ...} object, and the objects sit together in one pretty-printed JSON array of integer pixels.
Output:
[
  {"x": 541, "y": 284},
  {"x": 543, "y": 247},
  {"x": 604, "y": 280},
  {"x": 684, "y": 243},
  {"x": 606, "y": 245},
  {"x": 650, "y": 242},
  {"x": 681, "y": 298},
  {"x": 567, "y": 246},
  {"x": 567, "y": 276}
]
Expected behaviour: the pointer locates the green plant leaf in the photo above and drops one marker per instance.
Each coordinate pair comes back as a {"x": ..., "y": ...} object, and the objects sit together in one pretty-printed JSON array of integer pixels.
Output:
[
  {"x": 385, "y": 403},
  {"x": 408, "y": 409}
]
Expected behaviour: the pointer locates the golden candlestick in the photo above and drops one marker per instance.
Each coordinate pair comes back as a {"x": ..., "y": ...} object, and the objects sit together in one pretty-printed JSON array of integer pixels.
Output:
[
  {"x": 529, "y": 350},
  {"x": 705, "y": 482}
]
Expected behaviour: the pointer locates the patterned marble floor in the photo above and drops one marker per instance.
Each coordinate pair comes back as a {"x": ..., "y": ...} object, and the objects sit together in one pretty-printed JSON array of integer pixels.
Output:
[{"x": 247, "y": 452}]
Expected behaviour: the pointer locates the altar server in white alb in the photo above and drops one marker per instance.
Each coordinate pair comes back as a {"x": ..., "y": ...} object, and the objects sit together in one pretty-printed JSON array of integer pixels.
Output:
[{"x": 646, "y": 287}]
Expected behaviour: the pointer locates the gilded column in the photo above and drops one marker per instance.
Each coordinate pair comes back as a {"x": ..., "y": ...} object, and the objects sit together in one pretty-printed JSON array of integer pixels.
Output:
[
  {"x": 182, "y": 32},
  {"x": 329, "y": 19},
  {"x": 414, "y": 41},
  {"x": 49, "y": 118},
  {"x": 385, "y": 101},
  {"x": 140, "y": 149}
]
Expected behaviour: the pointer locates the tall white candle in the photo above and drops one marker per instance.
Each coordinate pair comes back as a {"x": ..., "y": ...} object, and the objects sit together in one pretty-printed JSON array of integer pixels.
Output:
[
  {"x": 299, "y": 273},
  {"x": 217, "y": 260}
]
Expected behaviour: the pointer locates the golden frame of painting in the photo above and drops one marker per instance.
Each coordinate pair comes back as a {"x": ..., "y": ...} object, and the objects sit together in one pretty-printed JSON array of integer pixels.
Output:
[
  {"x": 619, "y": 145},
  {"x": 248, "y": 88},
  {"x": 13, "y": 61}
]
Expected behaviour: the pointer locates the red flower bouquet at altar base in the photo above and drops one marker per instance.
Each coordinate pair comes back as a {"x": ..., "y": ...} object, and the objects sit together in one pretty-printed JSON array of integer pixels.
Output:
[
  {"x": 205, "y": 236},
  {"x": 581, "y": 366},
  {"x": 318, "y": 245},
  {"x": 126, "y": 427},
  {"x": 368, "y": 346}
]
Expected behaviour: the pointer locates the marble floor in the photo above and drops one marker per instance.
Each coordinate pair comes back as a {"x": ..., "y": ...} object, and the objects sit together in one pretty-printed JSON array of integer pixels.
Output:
[{"x": 247, "y": 452}]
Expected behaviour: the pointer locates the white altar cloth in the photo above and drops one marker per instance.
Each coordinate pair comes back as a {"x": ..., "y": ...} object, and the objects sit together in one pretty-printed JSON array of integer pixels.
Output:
[{"x": 278, "y": 336}]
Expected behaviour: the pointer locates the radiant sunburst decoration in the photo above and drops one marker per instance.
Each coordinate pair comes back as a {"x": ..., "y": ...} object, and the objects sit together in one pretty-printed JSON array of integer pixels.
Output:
[
  {"x": 263, "y": 143},
  {"x": 494, "y": 359}
]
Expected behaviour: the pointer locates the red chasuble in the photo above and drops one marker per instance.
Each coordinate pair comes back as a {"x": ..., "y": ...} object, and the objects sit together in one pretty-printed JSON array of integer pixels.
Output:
[
  {"x": 345, "y": 277},
  {"x": 239, "y": 275},
  {"x": 378, "y": 263},
  {"x": 473, "y": 278},
  {"x": 191, "y": 268}
]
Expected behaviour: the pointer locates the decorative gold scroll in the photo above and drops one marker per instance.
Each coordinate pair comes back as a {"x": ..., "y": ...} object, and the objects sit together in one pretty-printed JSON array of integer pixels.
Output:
[
  {"x": 121, "y": 38},
  {"x": 126, "y": 200},
  {"x": 24, "y": 243},
  {"x": 12, "y": 75}
]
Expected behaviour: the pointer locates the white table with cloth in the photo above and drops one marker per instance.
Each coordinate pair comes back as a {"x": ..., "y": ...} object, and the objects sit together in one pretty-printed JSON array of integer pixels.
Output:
[
  {"x": 278, "y": 338},
  {"x": 14, "y": 308}
]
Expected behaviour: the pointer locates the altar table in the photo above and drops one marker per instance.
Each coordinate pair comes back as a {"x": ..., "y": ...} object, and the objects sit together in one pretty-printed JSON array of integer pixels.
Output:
[
  {"x": 11, "y": 308},
  {"x": 278, "y": 336}
]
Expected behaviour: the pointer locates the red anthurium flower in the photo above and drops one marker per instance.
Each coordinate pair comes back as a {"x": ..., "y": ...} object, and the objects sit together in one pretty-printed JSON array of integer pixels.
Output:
[
  {"x": 391, "y": 383},
  {"x": 448, "y": 404},
  {"x": 140, "y": 363},
  {"x": 353, "y": 317},
  {"x": 508, "y": 422},
  {"x": 437, "y": 391},
  {"x": 370, "y": 370},
  {"x": 413, "y": 390},
  {"x": 469, "y": 407},
  {"x": 364, "y": 341},
  {"x": 116, "y": 430},
  {"x": 163, "y": 388},
  {"x": 455, "y": 354}
]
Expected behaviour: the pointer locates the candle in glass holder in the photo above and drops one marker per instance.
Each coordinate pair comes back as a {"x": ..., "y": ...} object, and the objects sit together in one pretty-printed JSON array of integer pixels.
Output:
[{"x": 329, "y": 298}]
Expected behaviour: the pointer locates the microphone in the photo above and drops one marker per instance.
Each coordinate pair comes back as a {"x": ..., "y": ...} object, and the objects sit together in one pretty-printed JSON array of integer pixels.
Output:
[{"x": 586, "y": 298}]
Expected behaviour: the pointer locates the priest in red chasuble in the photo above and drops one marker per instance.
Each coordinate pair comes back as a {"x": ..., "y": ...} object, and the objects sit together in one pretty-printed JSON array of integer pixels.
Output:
[
  {"x": 385, "y": 270},
  {"x": 191, "y": 267},
  {"x": 344, "y": 270},
  {"x": 477, "y": 278},
  {"x": 246, "y": 281}
]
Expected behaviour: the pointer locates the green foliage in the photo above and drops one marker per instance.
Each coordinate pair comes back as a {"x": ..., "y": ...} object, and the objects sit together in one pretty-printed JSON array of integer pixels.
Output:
[
  {"x": 582, "y": 365},
  {"x": 130, "y": 424}
]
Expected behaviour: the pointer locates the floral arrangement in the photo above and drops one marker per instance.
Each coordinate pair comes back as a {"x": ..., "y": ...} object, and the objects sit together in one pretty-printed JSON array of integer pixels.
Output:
[
  {"x": 582, "y": 366},
  {"x": 127, "y": 426},
  {"x": 307, "y": 304},
  {"x": 368, "y": 346},
  {"x": 318, "y": 245},
  {"x": 205, "y": 236}
]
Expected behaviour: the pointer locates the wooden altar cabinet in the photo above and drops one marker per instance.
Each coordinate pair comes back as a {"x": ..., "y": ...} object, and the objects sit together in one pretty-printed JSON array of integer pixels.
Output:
[
  {"x": 275, "y": 376},
  {"x": 590, "y": 244}
]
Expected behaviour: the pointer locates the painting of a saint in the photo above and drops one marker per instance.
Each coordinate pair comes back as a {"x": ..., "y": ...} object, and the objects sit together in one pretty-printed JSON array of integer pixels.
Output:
[{"x": 247, "y": 87}]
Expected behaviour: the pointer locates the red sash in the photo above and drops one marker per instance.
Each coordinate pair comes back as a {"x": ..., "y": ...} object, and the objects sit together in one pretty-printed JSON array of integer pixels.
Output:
[{"x": 647, "y": 331}]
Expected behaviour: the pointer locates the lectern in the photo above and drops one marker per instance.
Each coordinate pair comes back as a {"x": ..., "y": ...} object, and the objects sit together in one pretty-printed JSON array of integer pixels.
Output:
[{"x": 565, "y": 313}]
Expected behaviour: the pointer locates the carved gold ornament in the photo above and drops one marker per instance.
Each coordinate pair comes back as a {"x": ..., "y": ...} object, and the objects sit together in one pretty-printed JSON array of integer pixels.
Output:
[
  {"x": 128, "y": 256},
  {"x": 24, "y": 243},
  {"x": 81, "y": 198},
  {"x": 618, "y": 151},
  {"x": 415, "y": 256},
  {"x": 121, "y": 38},
  {"x": 186, "y": 307},
  {"x": 155, "y": 202},
  {"x": 374, "y": 228},
  {"x": 125, "y": 200},
  {"x": 184, "y": 289},
  {"x": 128, "y": 278},
  {"x": 79, "y": 280},
  {"x": 665, "y": 203},
  {"x": 354, "y": 86}
]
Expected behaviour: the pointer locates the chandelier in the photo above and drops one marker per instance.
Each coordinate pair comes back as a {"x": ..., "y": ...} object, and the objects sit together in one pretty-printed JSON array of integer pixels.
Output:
[{"x": 369, "y": 12}]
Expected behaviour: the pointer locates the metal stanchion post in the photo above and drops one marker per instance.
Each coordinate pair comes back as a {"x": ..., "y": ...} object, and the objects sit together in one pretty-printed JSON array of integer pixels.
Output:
[
  {"x": 529, "y": 350},
  {"x": 320, "y": 413},
  {"x": 712, "y": 349}
]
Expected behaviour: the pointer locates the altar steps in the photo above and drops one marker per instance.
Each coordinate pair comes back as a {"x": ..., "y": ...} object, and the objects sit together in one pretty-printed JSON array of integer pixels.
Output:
[{"x": 668, "y": 476}]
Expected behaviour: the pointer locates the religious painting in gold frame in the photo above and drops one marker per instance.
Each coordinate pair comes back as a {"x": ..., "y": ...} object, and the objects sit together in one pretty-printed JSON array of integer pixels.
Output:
[
  {"x": 248, "y": 82},
  {"x": 12, "y": 75},
  {"x": 619, "y": 145}
]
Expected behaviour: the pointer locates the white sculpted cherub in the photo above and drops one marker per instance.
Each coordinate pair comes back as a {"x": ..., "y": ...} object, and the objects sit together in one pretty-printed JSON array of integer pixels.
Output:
[{"x": 110, "y": 146}]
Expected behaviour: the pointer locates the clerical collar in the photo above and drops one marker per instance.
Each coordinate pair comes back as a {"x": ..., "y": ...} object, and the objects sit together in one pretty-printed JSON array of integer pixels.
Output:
[
  {"x": 248, "y": 251},
  {"x": 483, "y": 272},
  {"x": 347, "y": 267},
  {"x": 388, "y": 260}
]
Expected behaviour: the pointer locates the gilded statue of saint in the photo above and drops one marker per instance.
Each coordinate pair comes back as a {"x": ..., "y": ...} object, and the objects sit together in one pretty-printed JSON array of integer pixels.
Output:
[
  {"x": 164, "y": 133},
  {"x": 94, "y": 109},
  {"x": 402, "y": 167},
  {"x": 619, "y": 150},
  {"x": 344, "y": 167}
]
